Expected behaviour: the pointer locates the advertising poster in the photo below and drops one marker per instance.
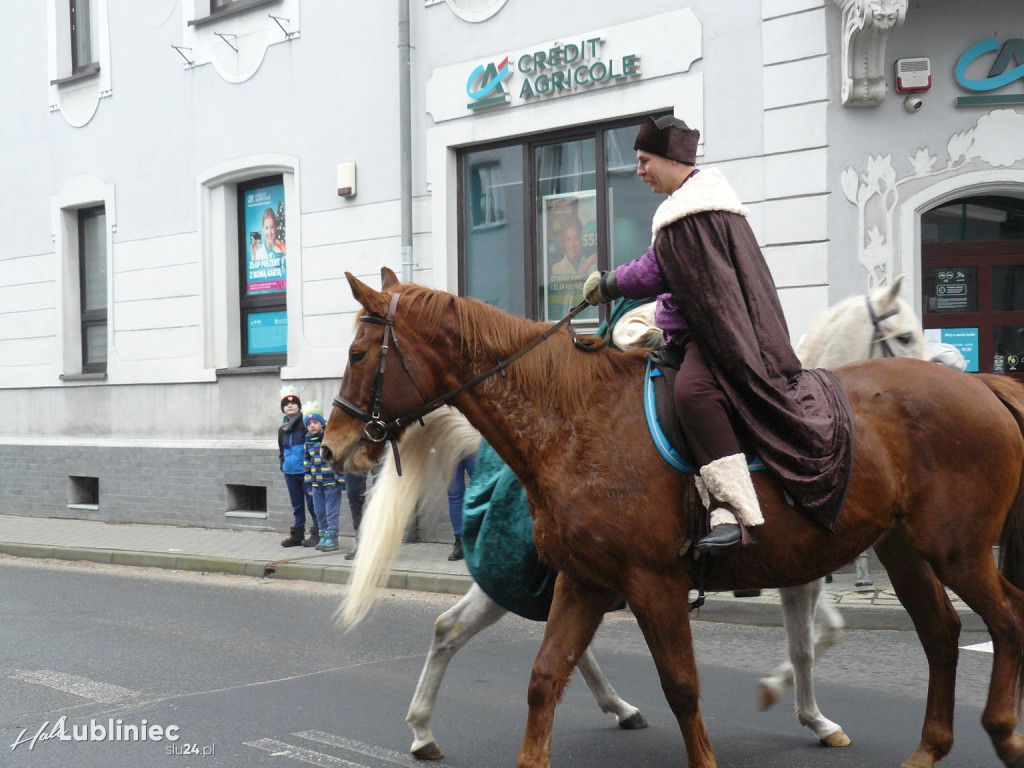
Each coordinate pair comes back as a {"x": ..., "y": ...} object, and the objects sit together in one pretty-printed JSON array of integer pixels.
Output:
[
  {"x": 964, "y": 339},
  {"x": 265, "y": 255},
  {"x": 268, "y": 332},
  {"x": 569, "y": 228}
]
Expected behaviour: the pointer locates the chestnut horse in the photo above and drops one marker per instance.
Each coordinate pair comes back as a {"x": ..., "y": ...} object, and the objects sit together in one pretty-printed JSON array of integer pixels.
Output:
[{"x": 936, "y": 478}]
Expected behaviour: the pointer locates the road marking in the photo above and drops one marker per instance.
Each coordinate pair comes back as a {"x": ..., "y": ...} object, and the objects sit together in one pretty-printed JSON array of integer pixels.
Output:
[
  {"x": 281, "y": 749},
  {"x": 79, "y": 686},
  {"x": 370, "y": 750},
  {"x": 980, "y": 647}
]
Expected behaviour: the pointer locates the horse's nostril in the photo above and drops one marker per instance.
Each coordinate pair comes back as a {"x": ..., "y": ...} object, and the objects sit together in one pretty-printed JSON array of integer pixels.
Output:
[{"x": 326, "y": 454}]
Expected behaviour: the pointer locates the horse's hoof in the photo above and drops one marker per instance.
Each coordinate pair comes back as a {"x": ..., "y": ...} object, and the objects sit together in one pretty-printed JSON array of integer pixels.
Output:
[
  {"x": 634, "y": 722},
  {"x": 836, "y": 739},
  {"x": 430, "y": 751},
  {"x": 768, "y": 698}
]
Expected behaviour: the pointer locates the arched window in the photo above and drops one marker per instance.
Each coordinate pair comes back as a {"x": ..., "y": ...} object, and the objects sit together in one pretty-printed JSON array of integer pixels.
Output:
[{"x": 972, "y": 280}]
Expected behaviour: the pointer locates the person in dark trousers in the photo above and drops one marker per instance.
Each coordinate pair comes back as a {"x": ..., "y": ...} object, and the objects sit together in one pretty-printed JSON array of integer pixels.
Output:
[
  {"x": 456, "y": 492},
  {"x": 355, "y": 491},
  {"x": 291, "y": 445}
]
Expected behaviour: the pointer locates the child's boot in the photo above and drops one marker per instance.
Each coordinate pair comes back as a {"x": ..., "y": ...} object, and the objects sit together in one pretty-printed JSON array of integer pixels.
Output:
[{"x": 331, "y": 543}]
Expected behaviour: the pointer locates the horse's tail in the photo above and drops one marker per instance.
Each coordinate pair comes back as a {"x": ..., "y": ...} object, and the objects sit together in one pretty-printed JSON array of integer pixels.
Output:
[{"x": 429, "y": 455}]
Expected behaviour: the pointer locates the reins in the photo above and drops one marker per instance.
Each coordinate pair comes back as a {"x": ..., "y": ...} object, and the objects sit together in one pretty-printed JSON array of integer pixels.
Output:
[{"x": 377, "y": 430}]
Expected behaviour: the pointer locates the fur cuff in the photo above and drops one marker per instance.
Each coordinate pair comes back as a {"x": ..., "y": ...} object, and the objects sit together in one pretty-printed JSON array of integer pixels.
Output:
[
  {"x": 722, "y": 516},
  {"x": 728, "y": 479}
]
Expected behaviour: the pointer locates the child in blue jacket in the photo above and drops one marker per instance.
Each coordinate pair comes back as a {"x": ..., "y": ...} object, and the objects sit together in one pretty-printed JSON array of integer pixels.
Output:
[
  {"x": 327, "y": 486},
  {"x": 291, "y": 443}
]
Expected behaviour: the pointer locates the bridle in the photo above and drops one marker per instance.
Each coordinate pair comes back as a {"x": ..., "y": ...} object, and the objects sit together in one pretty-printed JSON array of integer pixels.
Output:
[
  {"x": 376, "y": 430},
  {"x": 879, "y": 337}
]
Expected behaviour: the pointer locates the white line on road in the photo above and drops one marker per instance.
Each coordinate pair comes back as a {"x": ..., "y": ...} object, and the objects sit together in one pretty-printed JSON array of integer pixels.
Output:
[
  {"x": 370, "y": 750},
  {"x": 281, "y": 749},
  {"x": 980, "y": 647},
  {"x": 79, "y": 686}
]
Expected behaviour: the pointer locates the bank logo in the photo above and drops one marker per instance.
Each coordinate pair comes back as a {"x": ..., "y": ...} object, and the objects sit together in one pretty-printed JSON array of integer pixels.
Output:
[
  {"x": 486, "y": 85},
  {"x": 999, "y": 75}
]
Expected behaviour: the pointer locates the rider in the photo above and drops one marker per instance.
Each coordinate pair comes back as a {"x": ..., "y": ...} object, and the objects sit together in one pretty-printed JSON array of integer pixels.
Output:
[{"x": 718, "y": 306}]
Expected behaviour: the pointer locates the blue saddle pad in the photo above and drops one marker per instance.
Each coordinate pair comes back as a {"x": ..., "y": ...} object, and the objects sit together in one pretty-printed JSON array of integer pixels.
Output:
[{"x": 661, "y": 419}]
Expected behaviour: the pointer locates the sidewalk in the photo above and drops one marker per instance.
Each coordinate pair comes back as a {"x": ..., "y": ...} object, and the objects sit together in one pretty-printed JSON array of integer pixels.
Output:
[{"x": 423, "y": 567}]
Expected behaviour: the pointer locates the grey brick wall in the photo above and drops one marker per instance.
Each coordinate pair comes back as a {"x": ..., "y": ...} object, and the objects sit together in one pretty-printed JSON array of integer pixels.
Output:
[{"x": 166, "y": 486}]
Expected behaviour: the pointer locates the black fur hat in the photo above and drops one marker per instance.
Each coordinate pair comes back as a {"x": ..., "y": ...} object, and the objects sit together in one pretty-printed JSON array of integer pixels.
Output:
[{"x": 668, "y": 137}]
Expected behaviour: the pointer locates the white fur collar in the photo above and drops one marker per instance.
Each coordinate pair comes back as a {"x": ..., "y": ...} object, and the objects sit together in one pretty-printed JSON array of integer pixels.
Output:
[{"x": 705, "y": 191}]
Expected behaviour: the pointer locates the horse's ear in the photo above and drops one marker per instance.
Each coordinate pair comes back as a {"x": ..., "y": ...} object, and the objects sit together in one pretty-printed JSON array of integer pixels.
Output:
[
  {"x": 373, "y": 302},
  {"x": 892, "y": 293},
  {"x": 387, "y": 278}
]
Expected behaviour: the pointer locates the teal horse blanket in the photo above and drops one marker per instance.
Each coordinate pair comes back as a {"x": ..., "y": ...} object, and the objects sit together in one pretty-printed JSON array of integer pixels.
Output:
[{"x": 497, "y": 530}]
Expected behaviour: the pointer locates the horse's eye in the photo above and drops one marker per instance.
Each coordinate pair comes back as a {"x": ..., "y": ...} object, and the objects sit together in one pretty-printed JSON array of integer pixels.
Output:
[
  {"x": 357, "y": 357},
  {"x": 905, "y": 338}
]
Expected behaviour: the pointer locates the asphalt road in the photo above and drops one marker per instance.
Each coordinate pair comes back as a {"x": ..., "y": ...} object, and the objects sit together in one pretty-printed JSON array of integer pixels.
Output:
[{"x": 253, "y": 672}]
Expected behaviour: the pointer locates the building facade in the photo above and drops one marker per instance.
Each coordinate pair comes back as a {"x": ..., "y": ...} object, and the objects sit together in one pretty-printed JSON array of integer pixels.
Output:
[{"x": 188, "y": 182}]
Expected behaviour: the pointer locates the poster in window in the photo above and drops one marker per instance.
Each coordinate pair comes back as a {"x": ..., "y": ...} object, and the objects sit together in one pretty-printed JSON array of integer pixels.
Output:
[
  {"x": 265, "y": 270},
  {"x": 569, "y": 228},
  {"x": 267, "y": 332}
]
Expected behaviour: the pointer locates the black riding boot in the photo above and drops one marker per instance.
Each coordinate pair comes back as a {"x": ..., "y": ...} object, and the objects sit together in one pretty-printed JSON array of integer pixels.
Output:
[
  {"x": 295, "y": 537},
  {"x": 457, "y": 553}
]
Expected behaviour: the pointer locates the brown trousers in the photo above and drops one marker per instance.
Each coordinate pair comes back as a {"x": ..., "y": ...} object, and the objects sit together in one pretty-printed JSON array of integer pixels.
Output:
[{"x": 704, "y": 412}]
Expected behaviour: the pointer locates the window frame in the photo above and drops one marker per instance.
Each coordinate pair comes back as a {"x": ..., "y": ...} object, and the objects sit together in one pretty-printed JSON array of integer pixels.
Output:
[
  {"x": 90, "y": 318},
  {"x": 529, "y": 145},
  {"x": 81, "y": 31},
  {"x": 272, "y": 302}
]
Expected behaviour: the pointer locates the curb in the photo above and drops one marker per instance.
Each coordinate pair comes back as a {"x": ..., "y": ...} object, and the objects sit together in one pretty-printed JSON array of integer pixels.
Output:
[{"x": 721, "y": 607}]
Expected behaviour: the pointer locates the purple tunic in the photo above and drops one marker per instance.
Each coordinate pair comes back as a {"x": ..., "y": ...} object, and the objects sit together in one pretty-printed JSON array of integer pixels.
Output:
[{"x": 642, "y": 278}]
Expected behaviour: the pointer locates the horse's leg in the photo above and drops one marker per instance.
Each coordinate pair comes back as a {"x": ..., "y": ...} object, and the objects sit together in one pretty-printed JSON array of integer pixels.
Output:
[
  {"x": 812, "y": 626},
  {"x": 1001, "y": 605},
  {"x": 628, "y": 716},
  {"x": 938, "y": 628},
  {"x": 576, "y": 612},
  {"x": 452, "y": 630},
  {"x": 660, "y": 603}
]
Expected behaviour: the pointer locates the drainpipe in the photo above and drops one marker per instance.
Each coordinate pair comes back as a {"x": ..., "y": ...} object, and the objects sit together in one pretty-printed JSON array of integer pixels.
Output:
[{"x": 405, "y": 136}]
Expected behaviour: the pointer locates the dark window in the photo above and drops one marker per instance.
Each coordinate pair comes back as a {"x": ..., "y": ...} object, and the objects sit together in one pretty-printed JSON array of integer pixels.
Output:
[
  {"x": 972, "y": 280},
  {"x": 263, "y": 271},
  {"x": 537, "y": 216},
  {"x": 92, "y": 280},
  {"x": 81, "y": 35}
]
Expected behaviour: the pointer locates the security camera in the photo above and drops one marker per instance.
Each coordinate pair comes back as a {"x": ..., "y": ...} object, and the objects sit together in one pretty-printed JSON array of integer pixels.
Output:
[{"x": 912, "y": 103}]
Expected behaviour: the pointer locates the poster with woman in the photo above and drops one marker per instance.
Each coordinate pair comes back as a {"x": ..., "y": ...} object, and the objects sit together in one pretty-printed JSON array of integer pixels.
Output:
[
  {"x": 265, "y": 270},
  {"x": 569, "y": 228}
]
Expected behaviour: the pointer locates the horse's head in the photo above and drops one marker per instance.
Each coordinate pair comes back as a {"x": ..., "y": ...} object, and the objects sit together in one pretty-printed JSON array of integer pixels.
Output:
[
  {"x": 880, "y": 324},
  {"x": 897, "y": 329},
  {"x": 382, "y": 381}
]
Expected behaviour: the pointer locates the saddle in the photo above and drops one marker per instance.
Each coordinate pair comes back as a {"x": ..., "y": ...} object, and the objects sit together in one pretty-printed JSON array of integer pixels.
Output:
[{"x": 660, "y": 409}]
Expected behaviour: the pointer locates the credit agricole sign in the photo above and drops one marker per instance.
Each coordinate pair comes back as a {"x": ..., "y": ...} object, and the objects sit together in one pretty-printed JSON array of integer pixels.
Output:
[{"x": 614, "y": 56}]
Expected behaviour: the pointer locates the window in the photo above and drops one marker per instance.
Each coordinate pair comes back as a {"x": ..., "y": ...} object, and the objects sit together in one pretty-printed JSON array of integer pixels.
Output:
[
  {"x": 537, "y": 216},
  {"x": 972, "y": 280},
  {"x": 81, "y": 37},
  {"x": 92, "y": 281},
  {"x": 263, "y": 277}
]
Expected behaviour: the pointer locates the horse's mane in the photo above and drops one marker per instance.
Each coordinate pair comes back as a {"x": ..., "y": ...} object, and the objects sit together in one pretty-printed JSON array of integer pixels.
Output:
[{"x": 494, "y": 334}]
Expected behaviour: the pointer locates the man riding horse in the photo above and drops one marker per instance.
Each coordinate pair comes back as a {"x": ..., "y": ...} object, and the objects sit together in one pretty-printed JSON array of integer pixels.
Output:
[{"x": 720, "y": 312}]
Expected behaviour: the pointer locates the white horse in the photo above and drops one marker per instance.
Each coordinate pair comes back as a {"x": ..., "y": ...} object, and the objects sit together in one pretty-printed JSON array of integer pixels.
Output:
[{"x": 856, "y": 329}]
